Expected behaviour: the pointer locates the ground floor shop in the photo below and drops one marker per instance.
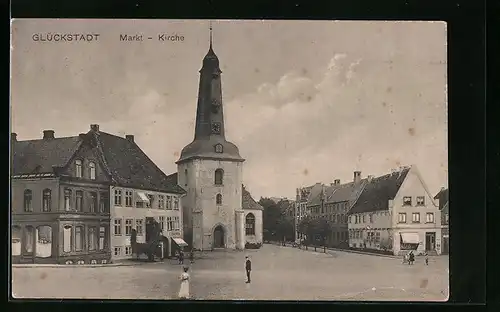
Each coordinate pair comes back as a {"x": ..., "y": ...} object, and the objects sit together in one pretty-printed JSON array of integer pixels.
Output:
[{"x": 62, "y": 239}]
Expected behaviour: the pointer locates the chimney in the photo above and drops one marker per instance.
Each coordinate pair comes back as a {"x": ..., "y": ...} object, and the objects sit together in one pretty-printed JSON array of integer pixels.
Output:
[
  {"x": 337, "y": 181},
  {"x": 13, "y": 137},
  {"x": 357, "y": 176},
  {"x": 94, "y": 128},
  {"x": 370, "y": 178},
  {"x": 48, "y": 134},
  {"x": 130, "y": 137}
]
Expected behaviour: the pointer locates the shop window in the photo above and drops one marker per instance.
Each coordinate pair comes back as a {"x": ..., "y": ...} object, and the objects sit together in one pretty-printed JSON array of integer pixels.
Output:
[
  {"x": 44, "y": 241},
  {"x": 92, "y": 237},
  {"x": 29, "y": 236},
  {"x": 67, "y": 234},
  {"x": 79, "y": 238},
  {"x": 16, "y": 237}
]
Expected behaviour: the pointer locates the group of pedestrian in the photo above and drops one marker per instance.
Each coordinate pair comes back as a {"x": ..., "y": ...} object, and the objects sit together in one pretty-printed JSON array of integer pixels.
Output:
[
  {"x": 180, "y": 256},
  {"x": 185, "y": 277},
  {"x": 410, "y": 258}
]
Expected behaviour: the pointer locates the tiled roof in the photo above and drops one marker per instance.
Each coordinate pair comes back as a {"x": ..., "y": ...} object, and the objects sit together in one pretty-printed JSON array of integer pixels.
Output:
[
  {"x": 377, "y": 193},
  {"x": 348, "y": 192},
  {"x": 443, "y": 197},
  {"x": 315, "y": 191},
  {"x": 247, "y": 201},
  {"x": 324, "y": 192},
  {"x": 40, "y": 156},
  {"x": 131, "y": 167},
  {"x": 125, "y": 161}
]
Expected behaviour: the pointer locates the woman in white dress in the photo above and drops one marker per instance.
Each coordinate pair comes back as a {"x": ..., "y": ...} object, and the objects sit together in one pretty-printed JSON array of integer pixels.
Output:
[{"x": 184, "y": 290}]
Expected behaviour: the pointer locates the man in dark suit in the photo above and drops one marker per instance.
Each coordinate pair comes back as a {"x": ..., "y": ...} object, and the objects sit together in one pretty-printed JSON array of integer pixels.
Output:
[{"x": 248, "y": 268}]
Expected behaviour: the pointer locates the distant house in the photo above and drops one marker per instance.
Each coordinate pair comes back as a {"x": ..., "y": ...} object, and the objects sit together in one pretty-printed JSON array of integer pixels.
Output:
[
  {"x": 333, "y": 203},
  {"x": 303, "y": 196},
  {"x": 76, "y": 199},
  {"x": 396, "y": 212},
  {"x": 443, "y": 197}
]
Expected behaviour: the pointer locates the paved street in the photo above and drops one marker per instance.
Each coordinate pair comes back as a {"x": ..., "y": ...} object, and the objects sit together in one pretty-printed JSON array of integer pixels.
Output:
[{"x": 279, "y": 273}]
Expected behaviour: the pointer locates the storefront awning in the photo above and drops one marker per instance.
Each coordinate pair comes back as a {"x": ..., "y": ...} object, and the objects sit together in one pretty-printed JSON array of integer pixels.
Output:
[
  {"x": 179, "y": 241},
  {"x": 142, "y": 197},
  {"x": 410, "y": 238}
]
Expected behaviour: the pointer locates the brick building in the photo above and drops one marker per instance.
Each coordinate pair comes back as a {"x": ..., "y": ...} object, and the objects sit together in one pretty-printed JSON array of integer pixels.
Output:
[
  {"x": 396, "y": 212},
  {"x": 59, "y": 200}
]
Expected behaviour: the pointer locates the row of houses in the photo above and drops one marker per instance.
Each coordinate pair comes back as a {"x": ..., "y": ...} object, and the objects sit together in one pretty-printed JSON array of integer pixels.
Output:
[
  {"x": 394, "y": 212},
  {"x": 77, "y": 199}
]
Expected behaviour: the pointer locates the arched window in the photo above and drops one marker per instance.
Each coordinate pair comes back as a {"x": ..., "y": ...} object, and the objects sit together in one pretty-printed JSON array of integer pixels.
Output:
[
  {"x": 78, "y": 168},
  {"x": 219, "y": 148},
  {"x": 67, "y": 235},
  {"x": 218, "y": 199},
  {"x": 219, "y": 176},
  {"x": 250, "y": 224},
  {"x": 28, "y": 198},
  {"x": 46, "y": 200},
  {"x": 92, "y": 170},
  {"x": 44, "y": 241}
]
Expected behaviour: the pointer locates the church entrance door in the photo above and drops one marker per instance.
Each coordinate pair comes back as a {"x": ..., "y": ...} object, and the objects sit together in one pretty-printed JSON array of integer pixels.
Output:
[{"x": 219, "y": 237}]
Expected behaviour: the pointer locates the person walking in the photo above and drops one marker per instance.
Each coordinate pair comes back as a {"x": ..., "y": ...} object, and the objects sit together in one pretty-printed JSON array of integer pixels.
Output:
[
  {"x": 426, "y": 258},
  {"x": 191, "y": 256},
  {"x": 248, "y": 268},
  {"x": 411, "y": 258},
  {"x": 184, "y": 289},
  {"x": 181, "y": 257}
]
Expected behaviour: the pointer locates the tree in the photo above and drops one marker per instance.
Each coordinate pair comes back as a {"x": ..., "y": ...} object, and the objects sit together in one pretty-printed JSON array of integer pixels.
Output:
[
  {"x": 304, "y": 228},
  {"x": 271, "y": 216},
  {"x": 323, "y": 228}
]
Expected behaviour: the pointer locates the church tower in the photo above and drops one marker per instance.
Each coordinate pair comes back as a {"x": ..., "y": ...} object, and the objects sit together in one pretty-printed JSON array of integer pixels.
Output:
[{"x": 210, "y": 170}]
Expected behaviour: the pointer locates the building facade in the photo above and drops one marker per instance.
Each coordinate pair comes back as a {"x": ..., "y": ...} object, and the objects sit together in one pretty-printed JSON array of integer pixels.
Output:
[
  {"x": 397, "y": 213},
  {"x": 210, "y": 169},
  {"x": 75, "y": 200},
  {"x": 443, "y": 198},
  {"x": 59, "y": 201}
]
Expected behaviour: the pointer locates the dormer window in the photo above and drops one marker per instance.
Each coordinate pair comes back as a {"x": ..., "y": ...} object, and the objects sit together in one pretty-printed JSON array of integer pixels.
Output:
[
  {"x": 219, "y": 148},
  {"x": 78, "y": 168},
  {"x": 92, "y": 170}
]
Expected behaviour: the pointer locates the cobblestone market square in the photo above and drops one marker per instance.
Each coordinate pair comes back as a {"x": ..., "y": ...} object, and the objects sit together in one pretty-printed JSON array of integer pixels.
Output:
[{"x": 279, "y": 273}]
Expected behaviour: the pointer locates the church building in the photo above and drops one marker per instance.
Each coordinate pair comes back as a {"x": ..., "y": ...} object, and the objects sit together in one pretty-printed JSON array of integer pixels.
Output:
[{"x": 210, "y": 170}]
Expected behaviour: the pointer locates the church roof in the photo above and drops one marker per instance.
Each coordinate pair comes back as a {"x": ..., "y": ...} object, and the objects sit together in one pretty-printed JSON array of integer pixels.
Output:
[
  {"x": 247, "y": 201},
  {"x": 206, "y": 149}
]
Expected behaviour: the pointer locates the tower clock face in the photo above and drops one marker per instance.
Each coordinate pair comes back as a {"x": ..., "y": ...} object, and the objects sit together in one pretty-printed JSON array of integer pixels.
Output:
[{"x": 216, "y": 128}]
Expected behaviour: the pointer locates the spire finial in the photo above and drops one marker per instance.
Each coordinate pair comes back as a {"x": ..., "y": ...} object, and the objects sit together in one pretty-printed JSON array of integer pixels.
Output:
[{"x": 210, "y": 34}]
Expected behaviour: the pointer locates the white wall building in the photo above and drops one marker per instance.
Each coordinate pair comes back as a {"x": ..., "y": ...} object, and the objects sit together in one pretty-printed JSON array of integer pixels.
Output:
[
  {"x": 396, "y": 212},
  {"x": 130, "y": 209}
]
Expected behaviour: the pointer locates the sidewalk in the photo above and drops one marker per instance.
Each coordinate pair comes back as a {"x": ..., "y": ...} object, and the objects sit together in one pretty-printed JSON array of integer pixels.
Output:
[
  {"x": 320, "y": 250},
  {"x": 115, "y": 264}
]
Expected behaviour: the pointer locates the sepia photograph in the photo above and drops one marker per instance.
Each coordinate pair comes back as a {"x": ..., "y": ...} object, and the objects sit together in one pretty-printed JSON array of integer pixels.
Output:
[{"x": 229, "y": 160}]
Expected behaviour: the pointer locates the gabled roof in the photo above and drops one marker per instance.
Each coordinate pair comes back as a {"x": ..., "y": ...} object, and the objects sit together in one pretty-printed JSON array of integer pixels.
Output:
[
  {"x": 131, "y": 167},
  {"x": 348, "y": 192},
  {"x": 124, "y": 160},
  {"x": 41, "y": 156},
  {"x": 377, "y": 192},
  {"x": 443, "y": 197},
  {"x": 247, "y": 201},
  {"x": 324, "y": 193},
  {"x": 315, "y": 191}
]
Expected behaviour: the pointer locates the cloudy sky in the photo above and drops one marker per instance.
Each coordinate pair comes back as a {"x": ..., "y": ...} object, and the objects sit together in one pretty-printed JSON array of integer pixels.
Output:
[{"x": 305, "y": 101}]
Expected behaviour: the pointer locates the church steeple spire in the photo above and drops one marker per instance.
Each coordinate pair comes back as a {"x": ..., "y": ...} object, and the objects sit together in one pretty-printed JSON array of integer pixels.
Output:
[
  {"x": 209, "y": 135},
  {"x": 210, "y": 35}
]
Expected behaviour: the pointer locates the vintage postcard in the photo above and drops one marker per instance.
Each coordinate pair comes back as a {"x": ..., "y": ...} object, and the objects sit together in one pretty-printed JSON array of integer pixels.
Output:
[{"x": 229, "y": 160}]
